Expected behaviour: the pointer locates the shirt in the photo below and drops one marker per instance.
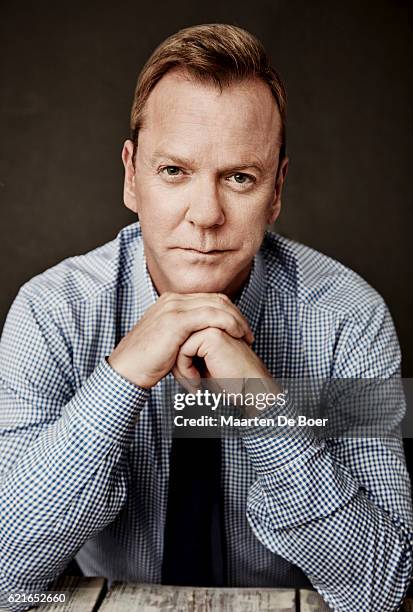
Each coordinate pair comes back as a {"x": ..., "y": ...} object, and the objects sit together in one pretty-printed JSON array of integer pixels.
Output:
[{"x": 84, "y": 457}]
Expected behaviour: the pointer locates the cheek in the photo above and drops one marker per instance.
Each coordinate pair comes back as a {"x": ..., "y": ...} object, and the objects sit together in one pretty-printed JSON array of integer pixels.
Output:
[
  {"x": 248, "y": 219},
  {"x": 157, "y": 210}
]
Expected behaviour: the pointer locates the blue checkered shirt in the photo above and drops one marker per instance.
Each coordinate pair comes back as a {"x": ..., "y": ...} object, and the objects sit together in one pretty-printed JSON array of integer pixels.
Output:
[{"x": 84, "y": 462}]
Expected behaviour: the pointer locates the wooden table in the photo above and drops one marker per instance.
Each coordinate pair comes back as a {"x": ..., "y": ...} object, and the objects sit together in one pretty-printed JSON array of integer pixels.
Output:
[{"x": 92, "y": 594}]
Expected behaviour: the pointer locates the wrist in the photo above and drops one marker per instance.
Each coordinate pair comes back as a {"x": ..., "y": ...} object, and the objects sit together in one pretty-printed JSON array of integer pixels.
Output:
[
  {"x": 265, "y": 388},
  {"x": 122, "y": 369}
]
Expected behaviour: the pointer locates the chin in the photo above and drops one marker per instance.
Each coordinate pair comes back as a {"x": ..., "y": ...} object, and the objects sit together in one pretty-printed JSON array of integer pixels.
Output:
[
  {"x": 200, "y": 287},
  {"x": 199, "y": 283}
]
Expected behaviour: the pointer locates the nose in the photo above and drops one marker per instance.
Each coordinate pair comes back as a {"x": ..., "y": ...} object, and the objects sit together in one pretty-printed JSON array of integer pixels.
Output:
[{"x": 204, "y": 206}]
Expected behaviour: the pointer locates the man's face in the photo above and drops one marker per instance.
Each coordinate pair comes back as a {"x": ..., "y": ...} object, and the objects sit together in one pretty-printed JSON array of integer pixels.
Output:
[{"x": 204, "y": 181}]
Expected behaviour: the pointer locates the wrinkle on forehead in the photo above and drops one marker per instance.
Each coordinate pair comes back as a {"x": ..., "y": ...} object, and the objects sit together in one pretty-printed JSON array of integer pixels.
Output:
[{"x": 197, "y": 119}]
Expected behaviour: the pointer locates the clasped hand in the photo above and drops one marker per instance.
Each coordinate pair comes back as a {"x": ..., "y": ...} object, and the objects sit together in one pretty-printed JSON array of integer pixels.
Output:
[{"x": 179, "y": 328}]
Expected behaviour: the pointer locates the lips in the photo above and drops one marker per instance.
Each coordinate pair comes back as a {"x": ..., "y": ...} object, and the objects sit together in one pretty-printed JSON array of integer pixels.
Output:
[
  {"x": 203, "y": 251},
  {"x": 210, "y": 252}
]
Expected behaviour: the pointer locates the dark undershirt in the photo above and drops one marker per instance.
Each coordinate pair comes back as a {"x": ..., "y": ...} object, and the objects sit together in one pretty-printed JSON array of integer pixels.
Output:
[{"x": 194, "y": 546}]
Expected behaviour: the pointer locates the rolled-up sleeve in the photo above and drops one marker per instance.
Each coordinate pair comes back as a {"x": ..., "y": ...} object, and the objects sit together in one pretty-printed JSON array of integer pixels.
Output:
[
  {"x": 340, "y": 507},
  {"x": 63, "y": 466}
]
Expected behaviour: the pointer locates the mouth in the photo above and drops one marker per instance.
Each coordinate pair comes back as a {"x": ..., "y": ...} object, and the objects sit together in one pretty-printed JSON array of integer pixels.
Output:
[
  {"x": 211, "y": 252},
  {"x": 203, "y": 251}
]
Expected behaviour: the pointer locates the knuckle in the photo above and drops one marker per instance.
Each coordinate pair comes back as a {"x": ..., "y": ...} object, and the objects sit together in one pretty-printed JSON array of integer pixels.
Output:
[
  {"x": 237, "y": 332},
  {"x": 239, "y": 326},
  {"x": 224, "y": 299}
]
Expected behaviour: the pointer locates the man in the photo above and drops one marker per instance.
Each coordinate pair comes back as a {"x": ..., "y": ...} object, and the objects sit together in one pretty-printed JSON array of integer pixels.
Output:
[{"x": 91, "y": 347}]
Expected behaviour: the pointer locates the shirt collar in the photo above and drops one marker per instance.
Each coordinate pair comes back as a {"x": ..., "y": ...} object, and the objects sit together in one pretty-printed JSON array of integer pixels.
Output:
[
  {"x": 249, "y": 302},
  {"x": 251, "y": 299},
  {"x": 145, "y": 289}
]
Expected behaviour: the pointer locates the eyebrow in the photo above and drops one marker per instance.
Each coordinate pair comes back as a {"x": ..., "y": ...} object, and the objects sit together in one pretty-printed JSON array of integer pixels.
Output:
[{"x": 178, "y": 160}]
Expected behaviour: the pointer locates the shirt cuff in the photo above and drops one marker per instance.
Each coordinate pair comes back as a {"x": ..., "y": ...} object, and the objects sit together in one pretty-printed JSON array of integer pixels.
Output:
[
  {"x": 108, "y": 403},
  {"x": 298, "y": 480},
  {"x": 310, "y": 487},
  {"x": 271, "y": 446}
]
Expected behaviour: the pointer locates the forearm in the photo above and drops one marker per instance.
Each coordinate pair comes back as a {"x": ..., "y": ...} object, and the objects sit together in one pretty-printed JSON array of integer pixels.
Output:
[
  {"x": 356, "y": 558},
  {"x": 70, "y": 483},
  {"x": 34, "y": 553},
  {"x": 315, "y": 514}
]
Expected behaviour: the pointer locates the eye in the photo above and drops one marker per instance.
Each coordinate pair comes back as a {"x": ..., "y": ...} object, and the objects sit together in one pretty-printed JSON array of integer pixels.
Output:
[
  {"x": 242, "y": 179},
  {"x": 170, "y": 170}
]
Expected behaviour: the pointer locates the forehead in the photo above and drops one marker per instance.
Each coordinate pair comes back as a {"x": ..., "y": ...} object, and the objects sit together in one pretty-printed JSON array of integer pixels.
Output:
[{"x": 181, "y": 111}]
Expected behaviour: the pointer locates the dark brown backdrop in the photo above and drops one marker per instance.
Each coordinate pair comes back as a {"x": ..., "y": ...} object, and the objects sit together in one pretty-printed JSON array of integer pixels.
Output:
[{"x": 67, "y": 75}]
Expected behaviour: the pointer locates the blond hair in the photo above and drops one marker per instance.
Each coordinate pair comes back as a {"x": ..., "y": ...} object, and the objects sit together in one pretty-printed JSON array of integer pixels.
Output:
[{"x": 214, "y": 53}]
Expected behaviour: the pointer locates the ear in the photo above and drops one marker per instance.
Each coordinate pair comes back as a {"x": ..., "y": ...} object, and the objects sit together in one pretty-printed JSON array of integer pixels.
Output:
[
  {"x": 275, "y": 208},
  {"x": 129, "y": 196}
]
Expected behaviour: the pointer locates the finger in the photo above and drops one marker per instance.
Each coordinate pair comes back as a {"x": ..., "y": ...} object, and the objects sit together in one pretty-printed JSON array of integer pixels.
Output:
[
  {"x": 191, "y": 384},
  {"x": 196, "y": 319},
  {"x": 184, "y": 368},
  {"x": 184, "y": 363},
  {"x": 226, "y": 309},
  {"x": 218, "y": 300}
]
